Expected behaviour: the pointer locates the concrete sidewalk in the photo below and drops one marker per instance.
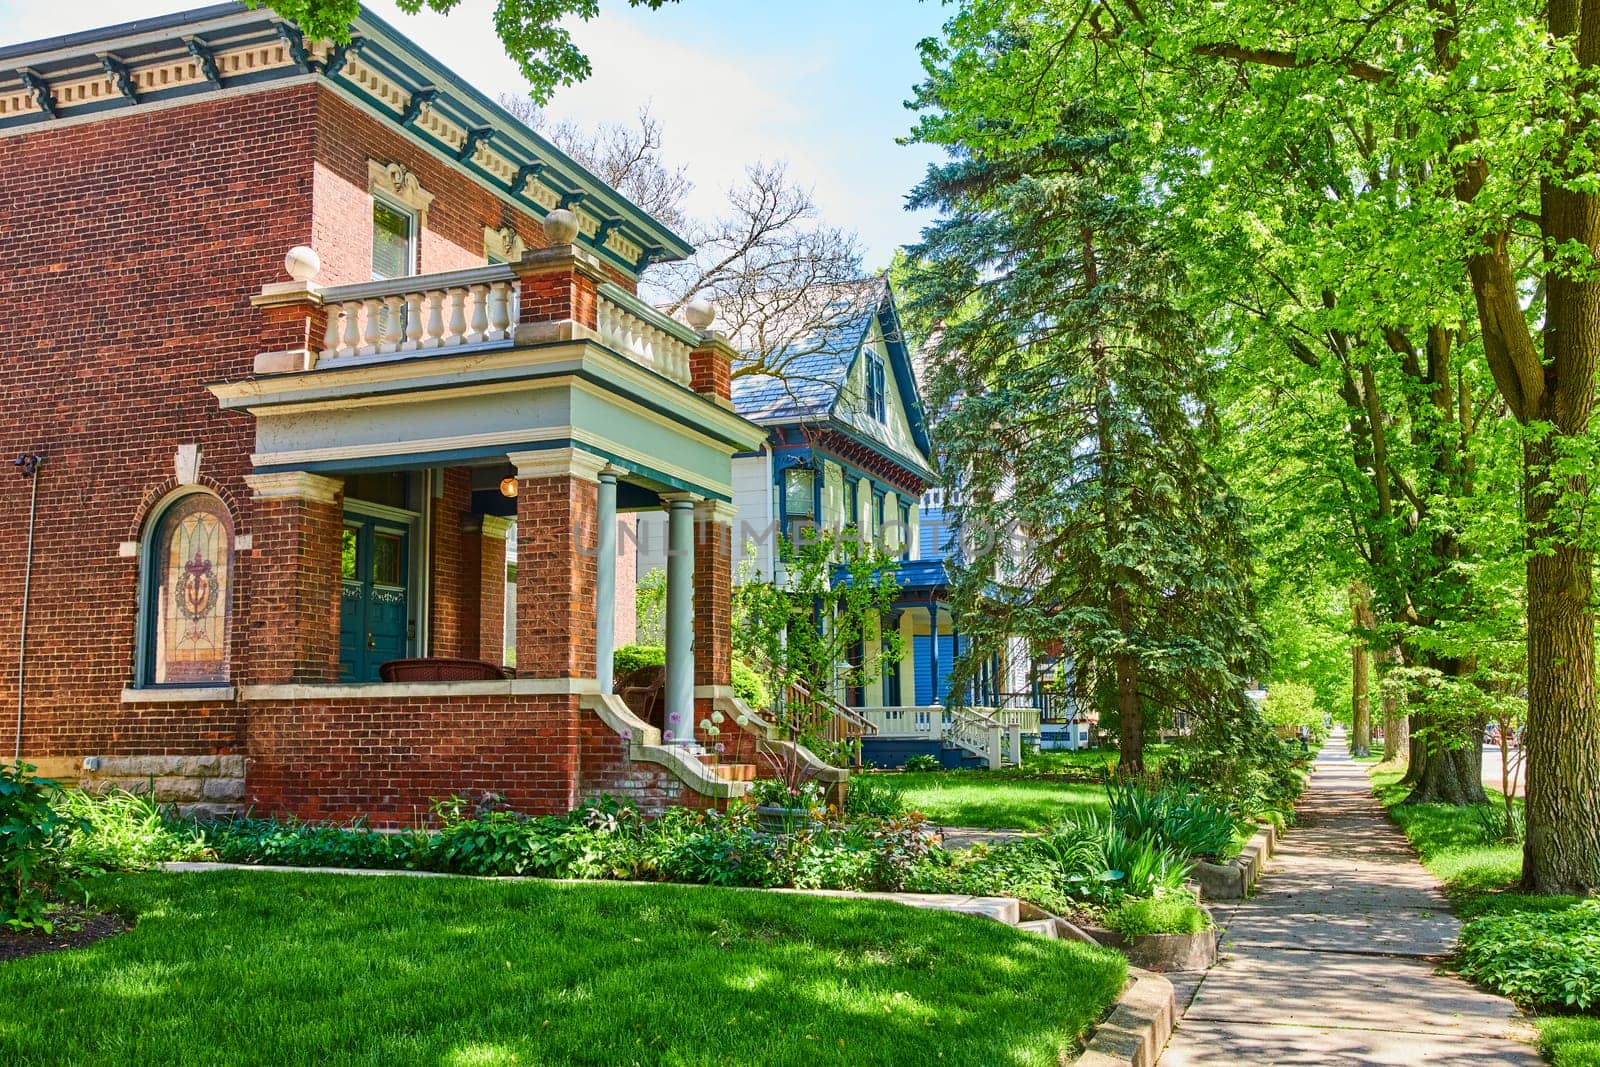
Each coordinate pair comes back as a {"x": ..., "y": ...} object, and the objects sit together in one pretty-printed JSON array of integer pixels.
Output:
[{"x": 1334, "y": 961}]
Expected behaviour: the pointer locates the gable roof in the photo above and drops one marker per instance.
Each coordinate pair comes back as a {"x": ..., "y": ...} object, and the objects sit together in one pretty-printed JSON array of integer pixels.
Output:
[{"x": 817, "y": 367}]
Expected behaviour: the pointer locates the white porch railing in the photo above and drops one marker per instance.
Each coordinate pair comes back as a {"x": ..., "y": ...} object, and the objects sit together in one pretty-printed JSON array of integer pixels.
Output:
[
  {"x": 977, "y": 730},
  {"x": 428, "y": 311},
  {"x": 481, "y": 307},
  {"x": 636, "y": 330}
]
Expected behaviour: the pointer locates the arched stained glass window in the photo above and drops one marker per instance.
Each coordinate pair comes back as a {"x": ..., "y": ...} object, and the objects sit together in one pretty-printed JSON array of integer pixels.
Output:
[{"x": 188, "y": 594}]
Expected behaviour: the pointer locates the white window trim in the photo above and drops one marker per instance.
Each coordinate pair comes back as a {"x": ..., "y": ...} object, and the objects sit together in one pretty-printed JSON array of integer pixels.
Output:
[{"x": 413, "y": 237}]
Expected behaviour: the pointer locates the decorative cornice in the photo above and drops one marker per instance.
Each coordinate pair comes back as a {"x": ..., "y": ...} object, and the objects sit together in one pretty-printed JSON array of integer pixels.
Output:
[
  {"x": 718, "y": 511},
  {"x": 294, "y": 485},
  {"x": 173, "y": 59},
  {"x": 396, "y": 180},
  {"x": 504, "y": 243}
]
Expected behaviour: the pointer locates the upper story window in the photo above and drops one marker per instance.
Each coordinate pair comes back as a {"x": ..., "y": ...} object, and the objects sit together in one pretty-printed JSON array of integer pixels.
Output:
[
  {"x": 394, "y": 241},
  {"x": 876, "y": 403}
]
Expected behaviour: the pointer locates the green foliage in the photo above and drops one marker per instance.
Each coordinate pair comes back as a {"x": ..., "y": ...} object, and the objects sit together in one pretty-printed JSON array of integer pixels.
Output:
[
  {"x": 1077, "y": 404},
  {"x": 123, "y": 831},
  {"x": 922, "y": 761},
  {"x": 1544, "y": 960},
  {"x": 1087, "y": 860},
  {"x": 1290, "y": 705},
  {"x": 629, "y": 658},
  {"x": 875, "y": 796},
  {"x": 1173, "y": 817},
  {"x": 750, "y": 687},
  {"x": 650, "y": 602},
  {"x": 811, "y": 629},
  {"x": 530, "y": 30},
  {"x": 776, "y": 793},
  {"x": 33, "y": 835},
  {"x": 1175, "y": 913}
]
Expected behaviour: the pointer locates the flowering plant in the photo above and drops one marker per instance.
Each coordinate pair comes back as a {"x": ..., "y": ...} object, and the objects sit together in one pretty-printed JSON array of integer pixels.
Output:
[{"x": 776, "y": 793}]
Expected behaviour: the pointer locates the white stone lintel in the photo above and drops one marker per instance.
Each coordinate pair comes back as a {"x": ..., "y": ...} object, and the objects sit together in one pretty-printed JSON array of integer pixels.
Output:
[
  {"x": 556, "y": 462},
  {"x": 294, "y": 485}
]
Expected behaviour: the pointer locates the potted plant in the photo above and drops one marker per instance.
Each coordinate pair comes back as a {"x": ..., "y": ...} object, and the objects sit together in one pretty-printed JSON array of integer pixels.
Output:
[{"x": 783, "y": 806}]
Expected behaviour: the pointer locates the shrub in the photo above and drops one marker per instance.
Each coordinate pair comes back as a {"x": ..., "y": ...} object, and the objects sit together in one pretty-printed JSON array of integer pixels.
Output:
[
  {"x": 1172, "y": 817},
  {"x": 1171, "y": 913},
  {"x": 1544, "y": 960},
  {"x": 33, "y": 834},
  {"x": 1089, "y": 861},
  {"x": 295, "y": 843},
  {"x": 749, "y": 687},
  {"x": 922, "y": 761},
  {"x": 122, "y": 831},
  {"x": 629, "y": 658},
  {"x": 875, "y": 797}
]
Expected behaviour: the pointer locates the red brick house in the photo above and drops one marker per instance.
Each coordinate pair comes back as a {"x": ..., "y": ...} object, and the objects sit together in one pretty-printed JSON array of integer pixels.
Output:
[{"x": 261, "y": 478}]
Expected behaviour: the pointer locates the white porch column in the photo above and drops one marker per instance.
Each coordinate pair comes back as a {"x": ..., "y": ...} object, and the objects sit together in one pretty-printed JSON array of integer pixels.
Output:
[
  {"x": 605, "y": 582},
  {"x": 679, "y": 689}
]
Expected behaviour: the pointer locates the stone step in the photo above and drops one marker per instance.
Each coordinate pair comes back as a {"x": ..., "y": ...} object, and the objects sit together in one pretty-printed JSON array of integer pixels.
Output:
[{"x": 735, "y": 772}]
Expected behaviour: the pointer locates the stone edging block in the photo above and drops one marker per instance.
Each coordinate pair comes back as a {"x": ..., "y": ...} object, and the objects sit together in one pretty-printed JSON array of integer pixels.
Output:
[
  {"x": 1236, "y": 879},
  {"x": 1137, "y": 1029}
]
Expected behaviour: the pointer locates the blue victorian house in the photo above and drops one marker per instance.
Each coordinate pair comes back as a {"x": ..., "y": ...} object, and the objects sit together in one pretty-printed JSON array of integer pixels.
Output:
[{"x": 848, "y": 444}]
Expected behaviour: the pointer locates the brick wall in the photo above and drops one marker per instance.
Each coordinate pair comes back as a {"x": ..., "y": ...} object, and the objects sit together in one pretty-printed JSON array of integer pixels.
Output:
[
  {"x": 132, "y": 245},
  {"x": 453, "y": 629},
  {"x": 461, "y": 208},
  {"x": 389, "y": 758},
  {"x": 556, "y": 520}
]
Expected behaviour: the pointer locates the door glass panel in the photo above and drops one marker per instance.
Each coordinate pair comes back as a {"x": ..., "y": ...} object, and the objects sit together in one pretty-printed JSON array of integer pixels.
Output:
[
  {"x": 386, "y": 558},
  {"x": 391, "y": 241},
  {"x": 347, "y": 553}
]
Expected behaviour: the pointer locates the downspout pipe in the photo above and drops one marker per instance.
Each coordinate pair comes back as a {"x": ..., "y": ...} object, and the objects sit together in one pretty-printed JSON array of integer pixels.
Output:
[{"x": 28, "y": 466}]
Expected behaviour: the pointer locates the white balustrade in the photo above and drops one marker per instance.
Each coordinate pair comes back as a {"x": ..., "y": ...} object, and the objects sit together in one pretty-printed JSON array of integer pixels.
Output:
[
  {"x": 467, "y": 307},
  {"x": 631, "y": 327}
]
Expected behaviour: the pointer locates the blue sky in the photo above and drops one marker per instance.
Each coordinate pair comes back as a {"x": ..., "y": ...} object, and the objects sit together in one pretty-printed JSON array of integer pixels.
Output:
[{"x": 819, "y": 84}]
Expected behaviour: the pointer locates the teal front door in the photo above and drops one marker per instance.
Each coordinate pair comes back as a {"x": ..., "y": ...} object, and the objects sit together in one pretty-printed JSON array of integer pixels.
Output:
[{"x": 375, "y": 596}]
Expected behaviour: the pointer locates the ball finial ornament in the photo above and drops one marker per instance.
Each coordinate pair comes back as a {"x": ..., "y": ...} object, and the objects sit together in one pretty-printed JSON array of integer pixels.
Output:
[
  {"x": 561, "y": 226},
  {"x": 701, "y": 313},
  {"x": 302, "y": 263}
]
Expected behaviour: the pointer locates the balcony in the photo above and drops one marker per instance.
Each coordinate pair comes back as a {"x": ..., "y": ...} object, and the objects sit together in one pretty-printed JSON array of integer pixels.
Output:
[
  {"x": 467, "y": 368},
  {"x": 480, "y": 309}
]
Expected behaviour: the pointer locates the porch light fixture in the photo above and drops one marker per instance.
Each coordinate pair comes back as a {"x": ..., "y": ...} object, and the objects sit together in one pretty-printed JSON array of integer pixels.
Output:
[{"x": 508, "y": 488}]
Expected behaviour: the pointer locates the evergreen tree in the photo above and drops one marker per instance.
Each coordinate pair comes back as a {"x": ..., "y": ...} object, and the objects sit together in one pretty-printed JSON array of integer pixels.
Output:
[{"x": 1075, "y": 410}]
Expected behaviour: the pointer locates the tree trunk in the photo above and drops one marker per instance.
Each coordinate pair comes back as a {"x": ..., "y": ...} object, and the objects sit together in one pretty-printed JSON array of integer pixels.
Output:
[
  {"x": 1561, "y": 853},
  {"x": 1130, "y": 717},
  {"x": 1396, "y": 724},
  {"x": 1360, "y": 673},
  {"x": 1453, "y": 774},
  {"x": 1360, "y": 702}
]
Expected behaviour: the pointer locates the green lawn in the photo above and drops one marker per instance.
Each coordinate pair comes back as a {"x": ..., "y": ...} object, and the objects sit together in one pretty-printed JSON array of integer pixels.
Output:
[
  {"x": 249, "y": 968},
  {"x": 995, "y": 800},
  {"x": 1478, "y": 877}
]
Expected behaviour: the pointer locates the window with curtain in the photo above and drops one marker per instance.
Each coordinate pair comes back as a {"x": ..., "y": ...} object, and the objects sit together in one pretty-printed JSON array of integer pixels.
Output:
[{"x": 188, "y": 594}]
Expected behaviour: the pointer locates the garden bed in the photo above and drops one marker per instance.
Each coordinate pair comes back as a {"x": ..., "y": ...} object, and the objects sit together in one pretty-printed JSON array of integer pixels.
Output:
[{"x": 72, "y": 928}]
